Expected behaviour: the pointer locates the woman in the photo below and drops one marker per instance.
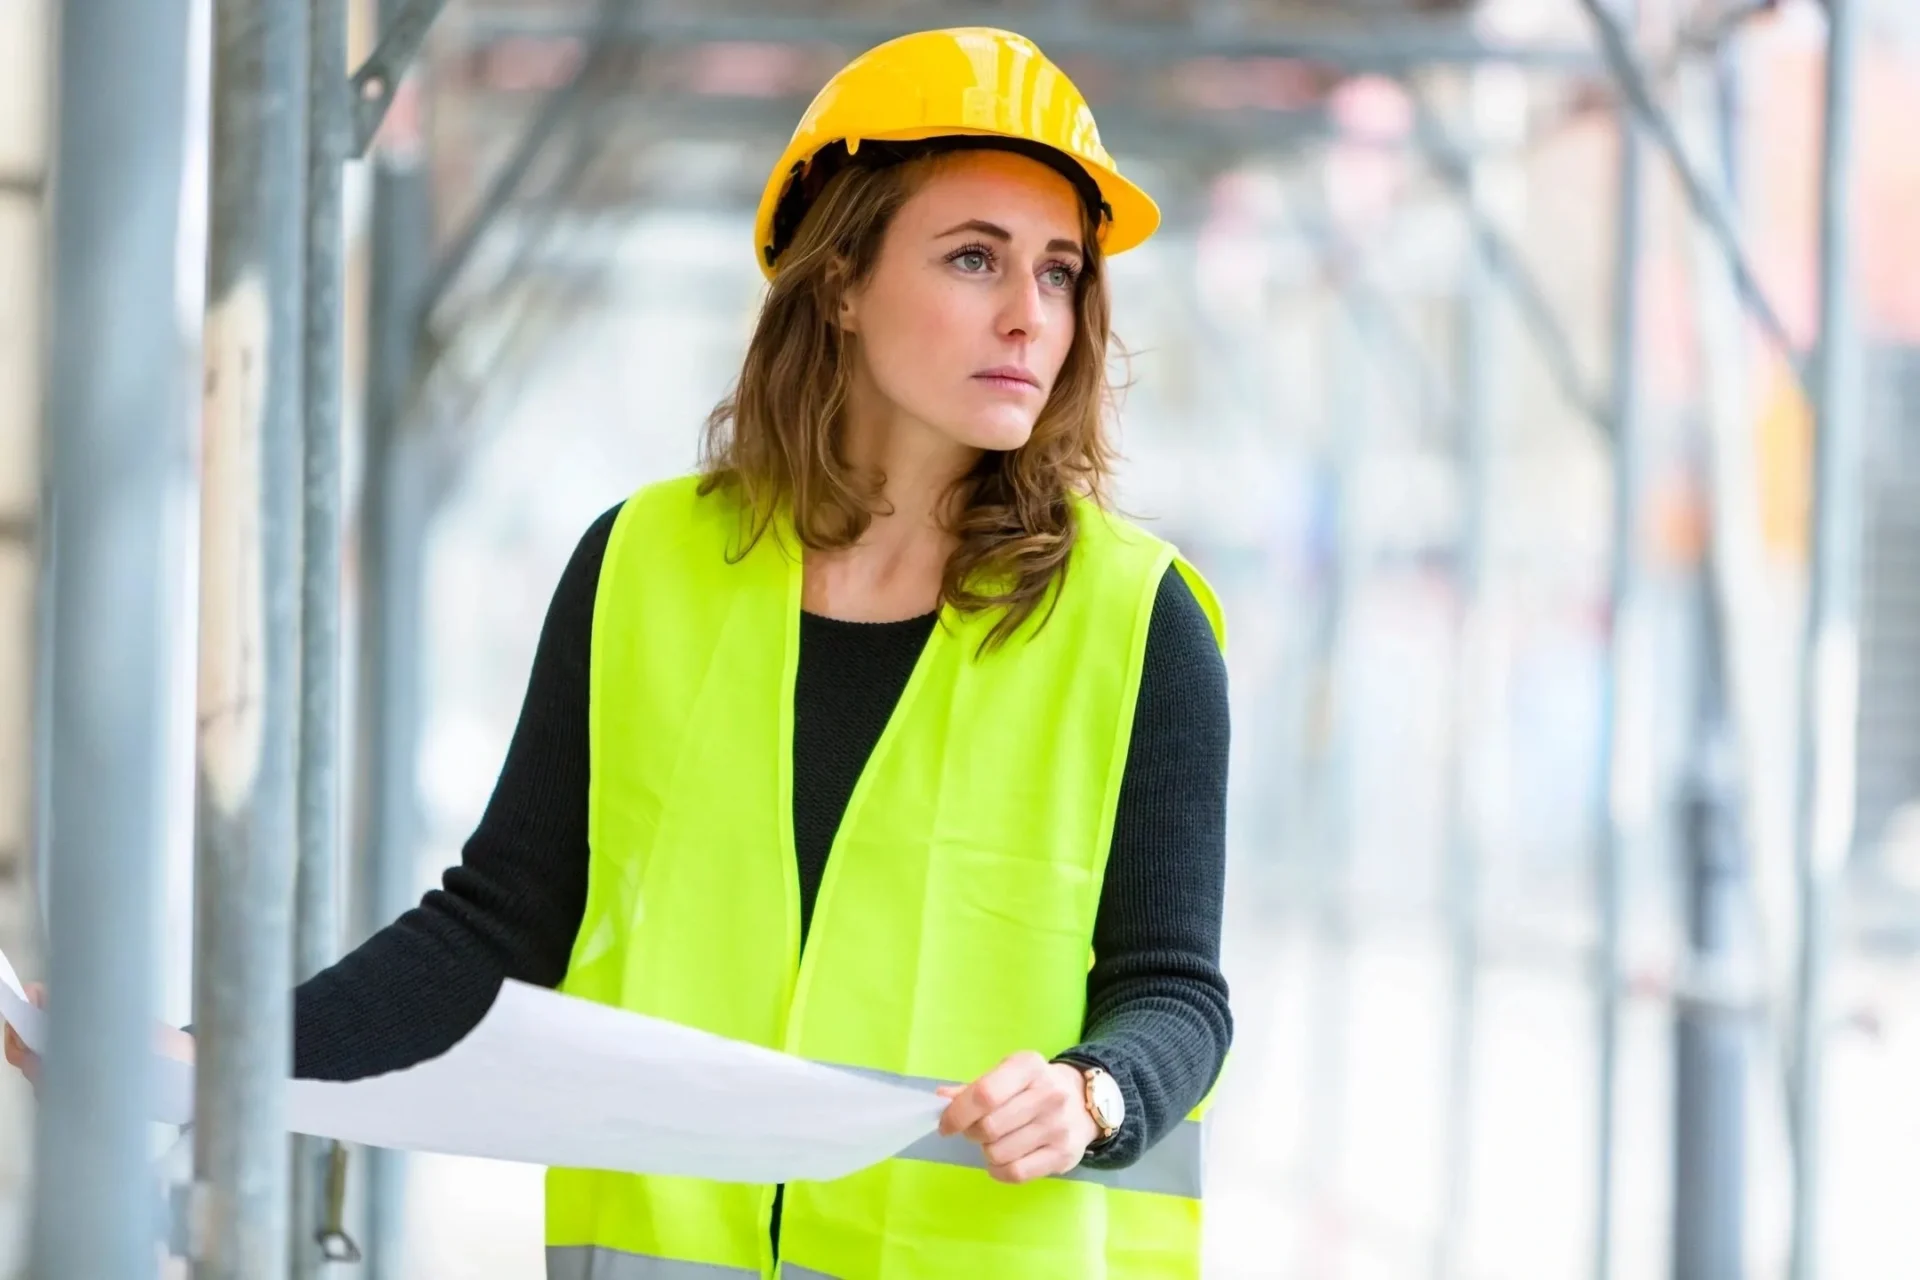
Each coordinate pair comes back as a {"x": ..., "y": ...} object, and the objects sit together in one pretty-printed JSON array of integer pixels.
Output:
[{"x": 883, "y": 680}]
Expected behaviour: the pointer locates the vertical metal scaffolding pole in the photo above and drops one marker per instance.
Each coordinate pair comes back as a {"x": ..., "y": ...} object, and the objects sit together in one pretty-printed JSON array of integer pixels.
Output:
[
  {"x": 1332, "y": 754},
  {"x": 1624, "y": 575},
  {"x": 1830, "y": 663},
  {"x": 115, "y": 418},
  {"x": 249, "y": 638},
  {"x": 1710, "y": 1060},
  {"x": 1710, "y": 1034},
  {"x": 1474, "y": 425},
  {"x": 393, "y": 526},
  {"x": 316, "y": 923}
]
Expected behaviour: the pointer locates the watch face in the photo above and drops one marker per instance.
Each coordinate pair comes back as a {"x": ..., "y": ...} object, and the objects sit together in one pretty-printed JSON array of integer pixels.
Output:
[{"x": 1109, "y": 1104}]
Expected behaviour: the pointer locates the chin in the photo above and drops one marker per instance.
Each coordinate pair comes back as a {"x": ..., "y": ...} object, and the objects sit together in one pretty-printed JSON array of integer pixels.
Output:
[{"x": 993, "y": 435}]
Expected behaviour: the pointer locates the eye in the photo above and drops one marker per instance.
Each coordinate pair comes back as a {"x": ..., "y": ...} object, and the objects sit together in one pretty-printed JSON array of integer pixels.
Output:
[
  {"x": 1061, "y": 275},
  {"x": 973, "y": 259}
]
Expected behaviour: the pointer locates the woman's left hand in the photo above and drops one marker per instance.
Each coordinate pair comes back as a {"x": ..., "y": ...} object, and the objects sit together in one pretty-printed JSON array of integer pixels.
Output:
[{"x": 1029, "y": 1116}]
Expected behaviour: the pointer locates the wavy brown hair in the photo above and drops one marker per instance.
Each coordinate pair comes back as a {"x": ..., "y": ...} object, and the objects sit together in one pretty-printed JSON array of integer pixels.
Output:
[{"x": 778, "y": 437}]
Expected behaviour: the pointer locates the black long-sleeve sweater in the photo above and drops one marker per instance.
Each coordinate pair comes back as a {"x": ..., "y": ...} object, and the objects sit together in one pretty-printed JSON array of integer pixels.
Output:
[{"x": 1157, "y": 1014}]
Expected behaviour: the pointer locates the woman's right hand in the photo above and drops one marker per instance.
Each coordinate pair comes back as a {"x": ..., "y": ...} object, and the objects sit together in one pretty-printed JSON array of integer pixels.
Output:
[
  {"x": 171, "y": 1041},
  {"x": 18, "y": 1055}
]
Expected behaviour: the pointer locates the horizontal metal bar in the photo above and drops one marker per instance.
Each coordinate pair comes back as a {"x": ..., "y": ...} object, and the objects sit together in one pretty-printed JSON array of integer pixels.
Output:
[
  {"x": 378, "y": 78},
  {"x": 30, "y": 186},
  {"x": 1132, "y": 133},
  {"x": 1398, "y": 45}
]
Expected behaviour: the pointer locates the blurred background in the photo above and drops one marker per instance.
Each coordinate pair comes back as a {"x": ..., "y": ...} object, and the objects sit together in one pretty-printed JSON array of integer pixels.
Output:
[{"x": 1479, "y": 364}]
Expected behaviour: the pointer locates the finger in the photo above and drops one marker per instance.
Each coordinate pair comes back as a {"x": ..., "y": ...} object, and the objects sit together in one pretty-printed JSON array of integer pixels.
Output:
[
  {"x": 1043, "y": 1163},
  {"x": 18, "y": 1055},
  {"x": 991, "y": 1091},
  {"x": 975, "y": 1100},
  {"x": 25, "y": 1059},
  {"x": 950, "y": 1091},
  {"x": 961, "y": 1111},
  {"x": 1022, "y": 1111},
  {"x": 1040, "y": 1135}
]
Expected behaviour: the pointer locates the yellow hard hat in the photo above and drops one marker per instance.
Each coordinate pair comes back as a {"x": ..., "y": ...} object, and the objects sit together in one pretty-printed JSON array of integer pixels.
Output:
[{"x": 965, "y": 84}]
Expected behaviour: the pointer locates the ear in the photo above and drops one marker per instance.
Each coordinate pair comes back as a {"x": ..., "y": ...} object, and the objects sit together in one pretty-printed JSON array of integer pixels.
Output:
[{"x": 846, "y": 305}]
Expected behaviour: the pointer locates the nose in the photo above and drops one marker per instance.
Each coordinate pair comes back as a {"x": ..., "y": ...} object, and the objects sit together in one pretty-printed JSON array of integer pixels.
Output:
[{"x": 1022, "y": 312}]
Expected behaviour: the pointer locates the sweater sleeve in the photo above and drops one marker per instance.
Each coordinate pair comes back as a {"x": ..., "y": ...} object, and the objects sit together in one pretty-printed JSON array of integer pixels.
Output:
[
  {"x": 1157, "y": 1014},
  {"x": 512, "y": 906}
]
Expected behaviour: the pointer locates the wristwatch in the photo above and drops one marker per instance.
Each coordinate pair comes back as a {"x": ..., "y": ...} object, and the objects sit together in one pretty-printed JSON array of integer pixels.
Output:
[{"x": 1105, "y": 1103}]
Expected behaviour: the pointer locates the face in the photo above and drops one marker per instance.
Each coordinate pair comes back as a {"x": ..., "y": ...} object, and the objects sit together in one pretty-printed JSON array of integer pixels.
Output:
[{"x": 964, "y": 323}]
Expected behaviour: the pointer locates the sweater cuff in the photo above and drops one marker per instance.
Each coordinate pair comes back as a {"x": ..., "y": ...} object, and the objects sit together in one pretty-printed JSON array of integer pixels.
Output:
[{"x": 1127, "y": 1144}]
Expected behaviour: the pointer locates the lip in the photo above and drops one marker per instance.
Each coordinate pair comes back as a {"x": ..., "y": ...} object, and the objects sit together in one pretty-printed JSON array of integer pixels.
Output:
[{"x": 1009, "y": 376}]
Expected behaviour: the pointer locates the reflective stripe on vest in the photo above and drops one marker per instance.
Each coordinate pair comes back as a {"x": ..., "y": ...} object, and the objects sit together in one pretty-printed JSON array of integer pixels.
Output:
[
  {"x": 591, "y": 1262},
  {"x": 1171, "y": 1168},
  {"x": 953, "y": 924}
]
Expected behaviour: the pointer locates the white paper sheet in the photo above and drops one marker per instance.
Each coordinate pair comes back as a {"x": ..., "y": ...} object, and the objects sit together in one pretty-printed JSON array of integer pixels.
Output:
[{"x": 552, "y": 1080}]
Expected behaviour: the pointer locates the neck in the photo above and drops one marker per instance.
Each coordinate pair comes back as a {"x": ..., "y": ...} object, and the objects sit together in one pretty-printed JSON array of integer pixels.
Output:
[
  {"x": 918, "y": 465},
  {"x": 894, "y": 570}
]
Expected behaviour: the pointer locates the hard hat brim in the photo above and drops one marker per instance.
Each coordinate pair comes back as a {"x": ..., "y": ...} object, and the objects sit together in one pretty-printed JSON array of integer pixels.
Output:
[{"x": 1133, "y": 214}]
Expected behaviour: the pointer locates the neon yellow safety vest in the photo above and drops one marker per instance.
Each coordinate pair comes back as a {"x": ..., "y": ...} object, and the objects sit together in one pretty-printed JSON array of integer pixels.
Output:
[{"x": 954, "y": 921}]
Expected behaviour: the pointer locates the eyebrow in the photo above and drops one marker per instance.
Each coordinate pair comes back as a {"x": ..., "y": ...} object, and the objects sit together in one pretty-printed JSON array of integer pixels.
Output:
[{"x": 1004, "y": 236}]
